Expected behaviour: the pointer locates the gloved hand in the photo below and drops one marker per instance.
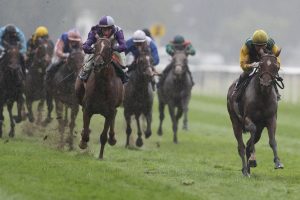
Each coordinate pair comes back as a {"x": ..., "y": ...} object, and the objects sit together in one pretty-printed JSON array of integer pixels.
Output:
[
  {"x": 254, "y": 64},
  {"x": 66, "y": 55},
  {"x": 171, "y": 52}
]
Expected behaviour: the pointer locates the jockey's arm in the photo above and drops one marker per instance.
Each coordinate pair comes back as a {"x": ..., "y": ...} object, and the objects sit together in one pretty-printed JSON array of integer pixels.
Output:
[
  {"x": 87, "y": 45},
  {"x": 190, "y": 49},
  {"x": 121, "y": 41},
  {"x": 170, "y": 49},
  {"x": 244, "y": 58},
  {"x": 59, "y": 47},
  {"x": 275, "y": 51},
  {"x": 21, "y": 37},
  {"x": 154, "y": 53}
]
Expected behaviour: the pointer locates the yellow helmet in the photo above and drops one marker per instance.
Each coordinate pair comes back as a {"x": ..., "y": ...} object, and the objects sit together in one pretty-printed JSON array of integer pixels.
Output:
[
  {"x": 260, "y": 37},
  {"x": 41, "y": 31}
]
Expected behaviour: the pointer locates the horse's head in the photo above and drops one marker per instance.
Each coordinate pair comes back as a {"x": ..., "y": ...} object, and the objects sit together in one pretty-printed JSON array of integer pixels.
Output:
[
  {"x": 144, "y": 64},
  {"x": 12, "y": 57},
  {"x": 103, "y": 53},
  {"x": 268, "y": 68},
  {"x": 43, "y": 52},
  {"x": 75, "y": 59},
  {"x": 179, "y": 62}
]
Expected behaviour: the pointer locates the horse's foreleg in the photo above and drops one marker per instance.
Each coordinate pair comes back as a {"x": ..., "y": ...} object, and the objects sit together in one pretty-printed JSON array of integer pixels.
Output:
[
  {"x": 161, "y": 117},
  {"x": 103, "y": 137},
  {"x": 185, "y": 114},
  {"x": 112, "y": 140},
  {"x": 128, "y": 127},
  {"x": 40, "y": 109},
  {"x": 49, "y": 101},
  {"x": 148, "y": 131},
  {"x": 12, "y": 123},
  {"x": 174, "y": 122},
  {"x": 74, "y": 112},
  {"x": 271, "y": 126},
  {"x": 66, "y": 116},
  {"x": 1, "y": 118},
  {"x": 86, "y": 131},
  {"x": 139, "y": 140},
  {"x": 20, "y": 103},
  {"x": 250, "y": 154},
  {"x": 61, "y": 127},
  {"x": 29, "y": 108}
]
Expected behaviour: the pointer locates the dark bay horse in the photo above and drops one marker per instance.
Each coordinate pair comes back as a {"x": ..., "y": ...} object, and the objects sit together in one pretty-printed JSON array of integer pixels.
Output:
[
  {"x": 257, "y": 109},
  {"x": 62, "y": 90},
  {"x": 102, "y": 94},
  {"x": 11, "y": 85},
  {"x": 175, "y": 92},
  {"x": 34, "y": 84},
  {"x": 138, "y": 98}
]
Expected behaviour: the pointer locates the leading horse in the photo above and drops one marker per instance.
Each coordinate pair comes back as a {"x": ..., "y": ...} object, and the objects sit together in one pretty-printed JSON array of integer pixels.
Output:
[
  {"x": 256, "y": 110},
  {"x": 11, "y": 84},
  {"x": 34, "y": 84},
  {"x": 101, "y": 94},
  {"x": 175, "y": 92},
  {"x": 138, "y": 98}
]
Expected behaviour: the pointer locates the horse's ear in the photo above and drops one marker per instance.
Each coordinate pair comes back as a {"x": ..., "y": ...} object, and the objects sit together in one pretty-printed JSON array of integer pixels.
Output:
[{"x": 278, "y": 52}]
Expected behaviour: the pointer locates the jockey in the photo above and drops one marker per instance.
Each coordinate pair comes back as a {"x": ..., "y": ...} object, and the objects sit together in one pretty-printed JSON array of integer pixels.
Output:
[
  {"x": 148, "y": 33},
  {"x": 106, "y": 28},
  {"x": 32, "y": 43},
  {"x": 64, "y": 45},
  {"x": 140, "y": 39},
  {"x": 178, "y": 43},
  {"x": 11, "y": 34},
  {"x": 249, "y": 55}
]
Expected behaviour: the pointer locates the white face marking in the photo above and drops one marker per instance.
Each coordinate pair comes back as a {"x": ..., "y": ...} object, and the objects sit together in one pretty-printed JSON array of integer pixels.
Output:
[
  {"x": 102, "y": 46},
  {"x": 269, "y": 62}
]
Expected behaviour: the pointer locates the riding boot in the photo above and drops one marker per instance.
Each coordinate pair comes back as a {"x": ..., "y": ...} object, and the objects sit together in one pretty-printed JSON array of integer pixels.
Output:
[
  {"x": 164, "y": 75},
  {"x": 242, "y": 78},
  {"x": 84, "y": 74},
  {"x": 193, "y": 83},
  {"x": 277, "y": 92},
  {"x": 119, "y": 71}
]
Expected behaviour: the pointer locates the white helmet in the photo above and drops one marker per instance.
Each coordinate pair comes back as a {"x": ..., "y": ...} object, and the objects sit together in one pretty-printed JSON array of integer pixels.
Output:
[{"x": 139, "y": 36}]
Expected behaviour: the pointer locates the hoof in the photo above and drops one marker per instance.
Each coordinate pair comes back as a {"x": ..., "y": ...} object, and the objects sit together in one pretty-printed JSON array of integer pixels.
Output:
[
  {"x": 30, "y": 118},
  {"x": 82, "y": 145},
  {"x": 245, "y": 172},
  {"x": 112, "y": 141},
  {"x": 148, "y": 134},
  {"x": 279, "y": 166},
  {"x": 185, "y": 127},
  {"x": 11, "y": 134},
  {"x": 252, "y": 163},
  {"x": 139, "y": 142},
  {"x": 159, "y": 132},
  {"x": 46, "y": 121},
  {"x": 17, "y": 119},
  {"x": 175, "y": 141}
]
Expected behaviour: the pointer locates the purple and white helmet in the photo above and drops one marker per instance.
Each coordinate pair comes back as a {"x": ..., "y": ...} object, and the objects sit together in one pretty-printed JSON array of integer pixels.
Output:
[{"x": 106, "y": 21}]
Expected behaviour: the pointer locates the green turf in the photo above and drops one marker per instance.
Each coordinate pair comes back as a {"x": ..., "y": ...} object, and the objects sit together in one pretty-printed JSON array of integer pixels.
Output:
[{"x": 204, "y": 165}]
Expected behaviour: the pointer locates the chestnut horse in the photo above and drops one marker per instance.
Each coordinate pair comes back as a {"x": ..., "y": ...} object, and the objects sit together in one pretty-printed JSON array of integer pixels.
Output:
[
  {"x": 102, "y": 94},
  {"x": 256, "y": 110}
]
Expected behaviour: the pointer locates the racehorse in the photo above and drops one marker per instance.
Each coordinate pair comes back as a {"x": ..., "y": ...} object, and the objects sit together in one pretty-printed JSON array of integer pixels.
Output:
[
  {"x": 175, "y": 92},
  {"x": 11, "y": 84},
  {"x": 256, "y": 110},
  {"x": 34, "y": 84},
  {"x": 63, "y": 91},
  {"x": 138, "y": 98},
  {"x": 101, "y": 94}
]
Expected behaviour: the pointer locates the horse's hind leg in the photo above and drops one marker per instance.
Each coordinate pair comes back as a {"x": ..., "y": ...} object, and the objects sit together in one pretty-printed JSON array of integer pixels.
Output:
[
  {"x": 103, "y": 137},
  {"x": 161, "y": 117},
  {"x": 1, "y": 119},
  {"x": 128, "y": 127},
  {"x": 271, "y": 126},
  {"x": 49, "y": 101},
  {"x": 66, "y": 116},
  {"x": 185, "y": 114},
  {"x": 12, "y": 123},
  {"x": 112, "y": 140},
  {"x": 86, "y": 131},
  {"x": 29, "y": 108},
  {"x": 20, "y": 103},
  {"x": 139, "y": 140}
]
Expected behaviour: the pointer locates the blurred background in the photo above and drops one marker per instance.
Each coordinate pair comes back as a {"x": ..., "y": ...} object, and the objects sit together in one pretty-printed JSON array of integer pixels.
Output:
[{"x": 217, "y": 29}]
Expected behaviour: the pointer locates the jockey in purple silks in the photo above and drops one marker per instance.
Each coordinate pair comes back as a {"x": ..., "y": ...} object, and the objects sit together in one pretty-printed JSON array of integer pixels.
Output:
[{"x": 106, "y": 28}]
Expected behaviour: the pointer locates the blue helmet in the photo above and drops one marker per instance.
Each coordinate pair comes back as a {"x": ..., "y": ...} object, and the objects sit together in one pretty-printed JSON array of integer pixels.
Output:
[
  {"x": 178, "y": 39},
  {"x": 106, "y": 21}
]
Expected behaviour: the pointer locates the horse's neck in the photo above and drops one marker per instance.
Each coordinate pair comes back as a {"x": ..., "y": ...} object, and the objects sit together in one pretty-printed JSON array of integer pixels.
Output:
[{"x": 255, "y": 92}]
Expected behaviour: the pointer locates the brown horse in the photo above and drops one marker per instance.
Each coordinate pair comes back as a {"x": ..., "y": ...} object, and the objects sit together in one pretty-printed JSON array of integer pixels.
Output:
[
  {"x": 34, "y": 84},
  {"x": 11, "y": 84},
  {"x": 138, "y": 98},
  {"x": 257, "y": 109},
  {"x": 175, "y": 92},
  {"x": 102, "y": 94},
  {"x": 62, "y": 90}
]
